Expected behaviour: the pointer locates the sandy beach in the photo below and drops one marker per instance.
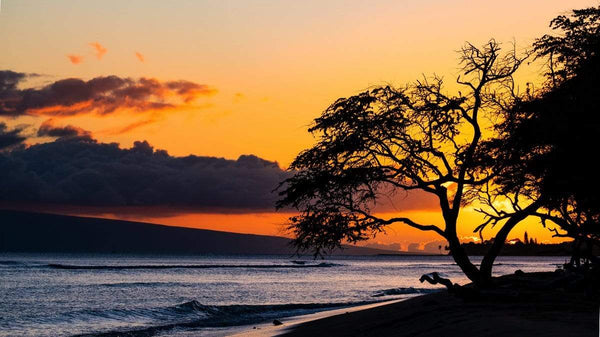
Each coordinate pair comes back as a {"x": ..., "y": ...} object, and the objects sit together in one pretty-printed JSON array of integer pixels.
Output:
[{"x": 524, "y": 310}]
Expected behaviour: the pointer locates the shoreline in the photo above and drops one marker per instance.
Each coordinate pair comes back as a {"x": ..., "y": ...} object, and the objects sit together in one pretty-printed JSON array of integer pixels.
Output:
[
  {"x": 522, "y": 311},
  {"x": 289, "y": 323}
]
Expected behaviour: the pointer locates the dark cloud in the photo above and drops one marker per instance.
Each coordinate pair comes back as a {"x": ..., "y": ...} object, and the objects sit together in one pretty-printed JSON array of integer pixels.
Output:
[
  {"x": 48, "y": 129},
  {"x": 9, "y": 93},
  {"x": 10, "y": 138},
  {"x": 9, "y": 80},
  {"x": 100, "y": 95},
  {"x": 75, "y": 171}
]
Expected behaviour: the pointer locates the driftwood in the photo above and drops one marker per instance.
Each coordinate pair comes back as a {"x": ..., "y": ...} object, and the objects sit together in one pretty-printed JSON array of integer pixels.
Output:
[{"x": 435, "y": 278}]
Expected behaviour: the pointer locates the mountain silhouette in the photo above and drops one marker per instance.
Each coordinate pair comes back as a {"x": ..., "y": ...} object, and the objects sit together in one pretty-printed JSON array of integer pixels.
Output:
[{"x": 51, "y": 233}]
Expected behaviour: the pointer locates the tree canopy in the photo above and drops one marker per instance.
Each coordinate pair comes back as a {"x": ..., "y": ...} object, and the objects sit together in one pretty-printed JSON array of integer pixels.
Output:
[
  {"x": 536, "y": 153},
  {"x": 417, "y": 137},
  {"x": 548, "y": 137}
]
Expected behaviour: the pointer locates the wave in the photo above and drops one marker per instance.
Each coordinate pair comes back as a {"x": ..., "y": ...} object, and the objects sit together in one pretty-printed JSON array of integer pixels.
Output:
[
  {"x": 19, "y": 264},
  {"x": 10, "y": 263},
  {"x": 193, "y": 266},
  {"x": 140, "y": 284},
  {"x": 404, "y": 291},
  {"x": 298, "y": 262},
  {"x": 193, "y": 314}
]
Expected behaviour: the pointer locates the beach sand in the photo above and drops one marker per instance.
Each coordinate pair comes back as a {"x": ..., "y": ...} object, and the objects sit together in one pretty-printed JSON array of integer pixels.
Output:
[{"x": 529, "y": 308}]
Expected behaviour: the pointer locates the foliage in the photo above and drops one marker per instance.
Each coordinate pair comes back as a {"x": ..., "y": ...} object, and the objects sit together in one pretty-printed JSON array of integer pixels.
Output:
[
  {"x": 548, "y": 137},
  {"x": 387, "y": 139},
  {"x": 577, "y": 44}
]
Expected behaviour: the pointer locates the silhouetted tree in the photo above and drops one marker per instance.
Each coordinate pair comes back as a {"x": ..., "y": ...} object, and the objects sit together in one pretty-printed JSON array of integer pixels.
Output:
[
  {"x": 387, "y": 139},
  {"x": 576, "y": 46},
  {"x": 548, "y": 138}
]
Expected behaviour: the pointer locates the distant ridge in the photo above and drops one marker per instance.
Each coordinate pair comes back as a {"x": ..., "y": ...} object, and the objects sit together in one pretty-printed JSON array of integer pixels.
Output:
[{"x": 51, "y": 233}]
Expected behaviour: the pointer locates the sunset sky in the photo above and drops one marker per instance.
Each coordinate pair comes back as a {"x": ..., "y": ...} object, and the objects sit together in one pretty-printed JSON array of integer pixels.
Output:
[{"x": 230, "y": 78}]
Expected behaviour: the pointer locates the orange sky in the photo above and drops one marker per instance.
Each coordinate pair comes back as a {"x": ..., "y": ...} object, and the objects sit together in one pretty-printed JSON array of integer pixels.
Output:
[{"x": 272, "y": 67}]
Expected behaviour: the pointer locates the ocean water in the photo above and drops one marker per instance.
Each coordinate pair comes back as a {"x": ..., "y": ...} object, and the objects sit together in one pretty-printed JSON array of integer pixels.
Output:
[{"x": 111, "y": 295}]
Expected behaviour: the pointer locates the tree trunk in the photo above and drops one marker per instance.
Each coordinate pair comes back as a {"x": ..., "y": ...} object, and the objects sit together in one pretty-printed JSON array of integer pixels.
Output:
[
  {"x": 488, "y": 260},
  {"x": 456, "y": 249},
  {"x": 462, "y": 260}
]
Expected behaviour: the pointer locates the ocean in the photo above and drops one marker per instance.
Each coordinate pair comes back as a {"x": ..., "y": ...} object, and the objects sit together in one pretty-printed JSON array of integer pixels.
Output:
[{"x": 115, "y": 295}]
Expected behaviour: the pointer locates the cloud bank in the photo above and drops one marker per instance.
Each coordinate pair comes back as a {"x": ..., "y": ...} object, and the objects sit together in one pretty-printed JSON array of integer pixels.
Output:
[
  {"x": 76, "y": 170},
  {"x": 80, "y": 171},
  {"x": 101, "y": 95}
]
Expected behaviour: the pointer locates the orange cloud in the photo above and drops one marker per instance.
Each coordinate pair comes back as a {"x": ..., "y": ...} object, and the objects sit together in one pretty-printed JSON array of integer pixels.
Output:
[
  {"x": 132, "y": 126},
  {"x": 75, "y": 59},
  {"x": 62, "y": 110},
  {"x": 100, "y": 50},
  {"x": 187, "y": 90},
  {"x": 103, "y": 96},
  {"x": 139, "y": 56}
]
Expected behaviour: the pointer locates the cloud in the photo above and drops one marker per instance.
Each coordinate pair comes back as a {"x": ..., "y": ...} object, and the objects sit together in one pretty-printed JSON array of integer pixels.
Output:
[
  {"x": 84, "y": 172},
  {"x": 432, "y": 247},
  {"x": 188, "y": 90},
  {"x": 48, "y": 129},
  {"x": 139, "y": 56},
  {"x": 9, "y": 80},
  {"x": 99, "y": 49},
  {"x": 9, "y": 93},
  {"x": 75, "y": 59},
  {"x": 414, "y": 247},
  {"x": 132, "y": 126},
  {"x": 10, "y": 138},
  {"x": 436, "y": 247},
  {"x": 100, "y": 95},
  {"x": 390, "y": 246}
]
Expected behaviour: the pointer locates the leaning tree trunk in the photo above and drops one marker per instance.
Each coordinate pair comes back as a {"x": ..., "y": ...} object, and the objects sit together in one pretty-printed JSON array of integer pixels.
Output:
[
  {"x": 462, "y": 260},
  {"x": 458, "y": 252},
  {"x": 487, "y": 263}
]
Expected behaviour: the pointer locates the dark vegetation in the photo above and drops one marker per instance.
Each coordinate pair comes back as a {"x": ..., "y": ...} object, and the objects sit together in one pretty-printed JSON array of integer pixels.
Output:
[
  {"x": 521, "y": 249},
  {"x": 486, "y": 145},
  {"x": 558, "y": 128}
]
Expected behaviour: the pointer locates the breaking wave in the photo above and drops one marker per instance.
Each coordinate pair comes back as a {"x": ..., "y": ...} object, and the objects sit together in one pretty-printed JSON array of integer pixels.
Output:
[{"x": 193, "y": 314}]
